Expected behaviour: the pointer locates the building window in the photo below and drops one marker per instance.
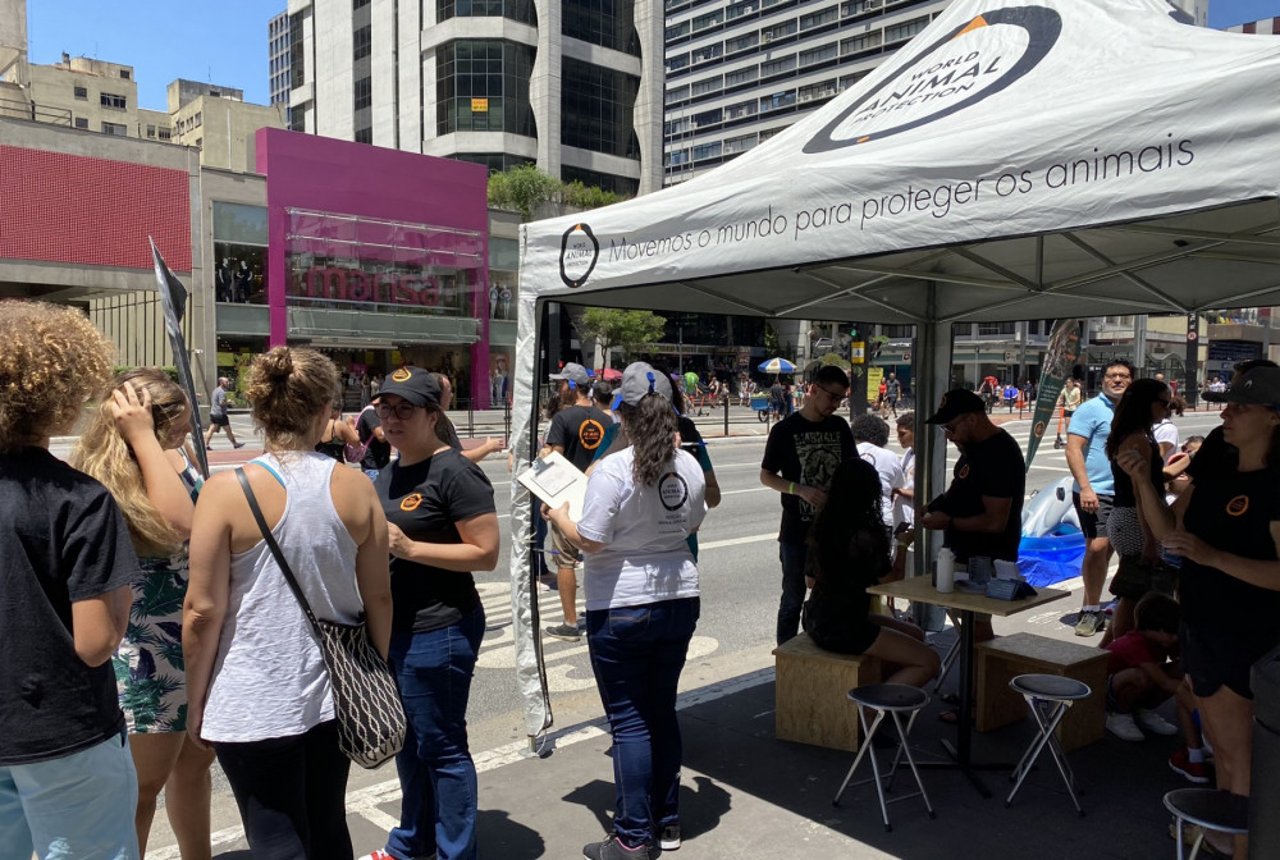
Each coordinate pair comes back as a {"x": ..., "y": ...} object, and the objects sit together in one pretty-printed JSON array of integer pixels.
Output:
[
  {"x": 125, "y": 74},
  {"x": 704, "y": 151},
  {"x": 856, "y": 44},
  {"x": 622, "y": 185},
  {"x": 740, "y": 110},
  {"x": 151, "y": 131},
  {"x": 679, "y": 61},
  {"x": 297, "y": 58},
  {"x": 82, "y": 122},
  {"x": 362, "y": 42},
  {"x": 734, "y": 145},
  {"x": 608, "y": 23},
  {"x": 363, "y": 94},
  {"x": 673, "y": 127},
  {"x": 82, "y": 93},
  {"x": 778, "y": 31},
  {"x": 199, "y": 143},
  {"x": 677, "y": 94},
  {"x": 113, "y": 101},
  {"x": 778, "y": 66},
  {"x": 820, "y": 90},
  {"x": 742, "y": 43},
  {"x": 710, "y": 85},
  {"x": 996, "y": 328},
  {"x": 818, "y": 55},
  {"x": 737, "y": 10},
  {"x": 358, "y": 4},
  {"x": 514, "y": 10},
  {"x": 364, "y": 135},
  {"x": 115, "y": 129},
  {"x": 817, "y": 19},
  {"x": 708, "y": 53},
  {"x": 483, "y": 85},
  {"x": 708, "y": 117},
  {"x": 901, "y": 32},
  {"x": 677, "y": 157},
  {"x": 742, "y": 76},
  {"x": 597, "y": 107},
  {"x": 164, "y": 134},
  {"x": 711, "y": 19},
  {"x": 777, "y": 101},
  {"x": 675, "y": 31}
]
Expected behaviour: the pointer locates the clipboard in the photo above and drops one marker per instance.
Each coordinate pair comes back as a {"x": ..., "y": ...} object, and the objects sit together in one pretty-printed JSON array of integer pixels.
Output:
[{"x": 555, "y": 480}]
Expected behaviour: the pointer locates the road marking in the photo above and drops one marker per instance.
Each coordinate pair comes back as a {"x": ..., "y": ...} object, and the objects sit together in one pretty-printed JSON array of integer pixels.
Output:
[
  {"x": 748, "y": 490},
  {"x": 717, "y": 544},
  {"x": 1050, "y": 468}
]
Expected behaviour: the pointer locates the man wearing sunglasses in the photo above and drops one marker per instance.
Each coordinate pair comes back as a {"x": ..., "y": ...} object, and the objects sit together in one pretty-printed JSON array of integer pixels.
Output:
[{"x": 800, "y": 458}]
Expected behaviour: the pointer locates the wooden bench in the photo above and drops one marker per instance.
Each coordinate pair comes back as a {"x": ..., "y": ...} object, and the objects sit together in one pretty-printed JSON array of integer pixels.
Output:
[
  {"x": 811, "y": 693},
  {"x": 999, "y": 660}
]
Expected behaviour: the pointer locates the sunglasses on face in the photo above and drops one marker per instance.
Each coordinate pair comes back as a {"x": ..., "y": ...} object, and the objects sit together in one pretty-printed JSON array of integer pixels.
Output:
[{"x": 402, "y": 410}]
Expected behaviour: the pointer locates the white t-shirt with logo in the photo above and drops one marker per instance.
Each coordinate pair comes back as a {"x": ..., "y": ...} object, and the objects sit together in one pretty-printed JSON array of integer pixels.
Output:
[
  {"x": 646, "y": 559},
  {"x": 889, "y": 467}
]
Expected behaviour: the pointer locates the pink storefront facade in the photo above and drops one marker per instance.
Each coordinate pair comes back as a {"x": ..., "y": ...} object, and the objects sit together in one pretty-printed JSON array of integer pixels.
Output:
[{"x": 378, "y": 257}]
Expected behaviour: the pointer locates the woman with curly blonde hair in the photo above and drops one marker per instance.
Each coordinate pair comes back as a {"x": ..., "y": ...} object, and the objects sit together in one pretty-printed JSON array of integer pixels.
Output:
[
  {"x": 67, "y": 783},
  {"x": 135, "y": 445}
]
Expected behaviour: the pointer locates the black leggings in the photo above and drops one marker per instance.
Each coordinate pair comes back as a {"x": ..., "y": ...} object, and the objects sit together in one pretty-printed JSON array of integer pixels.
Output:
[{"x": 292, "y": 794}]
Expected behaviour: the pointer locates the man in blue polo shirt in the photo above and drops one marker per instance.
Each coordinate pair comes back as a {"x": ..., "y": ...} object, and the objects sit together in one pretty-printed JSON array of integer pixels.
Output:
[{"x": 1092, "y": 493}]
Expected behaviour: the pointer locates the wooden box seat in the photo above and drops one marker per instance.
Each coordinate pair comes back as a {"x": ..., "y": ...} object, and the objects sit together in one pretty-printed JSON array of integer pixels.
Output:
[{"x": 811, "y": 693}]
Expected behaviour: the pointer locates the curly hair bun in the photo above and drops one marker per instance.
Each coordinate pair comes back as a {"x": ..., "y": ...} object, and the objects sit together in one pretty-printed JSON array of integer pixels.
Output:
[{"x": 277, "y": 365}]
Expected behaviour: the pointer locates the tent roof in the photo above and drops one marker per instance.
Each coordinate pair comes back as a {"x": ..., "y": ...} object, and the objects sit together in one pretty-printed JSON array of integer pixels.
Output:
[{"x": 1067, "y": 158}]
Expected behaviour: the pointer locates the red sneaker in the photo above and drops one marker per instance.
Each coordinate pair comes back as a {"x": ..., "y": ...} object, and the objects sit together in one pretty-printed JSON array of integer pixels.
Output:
[{"x": 1194, "y": 771}]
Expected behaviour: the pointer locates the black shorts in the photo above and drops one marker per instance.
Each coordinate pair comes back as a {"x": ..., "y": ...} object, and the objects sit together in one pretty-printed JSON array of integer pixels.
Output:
[
  {"x": 220, "y": 420},
  {"x": 1093, "y": 525},
  {"x": 1136, "y": 577},
  {"x": 1213, "y": 658},
  {"x": 854, "y": 637}
]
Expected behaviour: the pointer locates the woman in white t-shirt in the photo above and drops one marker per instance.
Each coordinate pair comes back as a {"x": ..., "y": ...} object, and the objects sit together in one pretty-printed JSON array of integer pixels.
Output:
[{"x": 641, "y": 586}]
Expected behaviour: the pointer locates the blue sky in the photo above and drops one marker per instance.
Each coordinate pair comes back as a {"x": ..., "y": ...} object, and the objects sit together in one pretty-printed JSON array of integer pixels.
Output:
[{"x": 225, "y": 42}]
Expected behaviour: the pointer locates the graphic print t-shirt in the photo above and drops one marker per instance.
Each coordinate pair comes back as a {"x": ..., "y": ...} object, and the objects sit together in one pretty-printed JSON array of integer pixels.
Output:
[
  {"x": 807, "y": 452},
  {"x": 579, "y": 430}
]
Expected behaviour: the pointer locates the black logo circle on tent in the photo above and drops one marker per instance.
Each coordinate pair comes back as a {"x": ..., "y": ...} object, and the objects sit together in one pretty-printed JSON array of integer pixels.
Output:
[
  {"x": 1043, "y": 27},
  {"x": 579, "y": 252},
  {"x": 673, "y": 491}
]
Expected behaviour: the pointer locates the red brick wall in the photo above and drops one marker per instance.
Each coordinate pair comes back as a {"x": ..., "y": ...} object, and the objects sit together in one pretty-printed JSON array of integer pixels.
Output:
[{"x": 92, "y": 211}]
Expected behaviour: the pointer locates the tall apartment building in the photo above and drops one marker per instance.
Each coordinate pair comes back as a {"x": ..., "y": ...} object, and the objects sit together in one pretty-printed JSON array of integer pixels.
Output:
[
  {"x": 570, "y": 85},
  {"x": 278, "y": 59}
]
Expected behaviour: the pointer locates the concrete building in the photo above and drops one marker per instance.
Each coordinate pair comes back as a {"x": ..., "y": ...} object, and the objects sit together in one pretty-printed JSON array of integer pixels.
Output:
[
  {"x": 567, "y": 84},
  {"x": 1264, "y": 27},
  {"x": 219, "y": 122},
  {"x": 278, "y": 59}
]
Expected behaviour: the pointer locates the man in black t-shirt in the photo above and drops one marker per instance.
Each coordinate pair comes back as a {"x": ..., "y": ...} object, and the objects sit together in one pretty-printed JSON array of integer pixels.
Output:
[
  {"x": 800, "y": 458},
  {"x": 377, "y": 453},
  {"x": 576, "y": 432},
  {"x": 980, "y": 514}
]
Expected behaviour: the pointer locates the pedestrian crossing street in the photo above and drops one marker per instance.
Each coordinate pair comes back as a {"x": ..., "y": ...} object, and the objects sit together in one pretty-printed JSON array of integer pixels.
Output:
[{"x": 568, "y": 667}]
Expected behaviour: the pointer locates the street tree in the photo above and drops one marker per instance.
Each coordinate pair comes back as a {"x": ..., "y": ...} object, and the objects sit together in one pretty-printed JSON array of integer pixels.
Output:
[{"x": 619, "y": 329}]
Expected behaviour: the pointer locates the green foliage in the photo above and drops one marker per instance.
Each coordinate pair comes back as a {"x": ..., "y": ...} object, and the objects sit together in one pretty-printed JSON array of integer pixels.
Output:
[
  {"x": 628, "y": 330},
  {"x": 771, "y": 344},
  {"x": 525, "y": 188},
  {"x": 834, "y": 358}
]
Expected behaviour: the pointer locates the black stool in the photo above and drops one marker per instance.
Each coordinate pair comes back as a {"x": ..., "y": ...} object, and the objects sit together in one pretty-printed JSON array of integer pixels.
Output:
[
  {"x": 1210, "y": 809},
  {"x": 1048, "y": 698},
  {"x": 893, "y": 700}
]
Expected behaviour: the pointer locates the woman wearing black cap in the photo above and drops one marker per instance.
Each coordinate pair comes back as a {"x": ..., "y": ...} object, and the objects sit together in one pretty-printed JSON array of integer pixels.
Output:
[
  {"x": 1226, "y": 528},
  {"x": 642, "y": 606},
  {"x": 442, "y": 526}
]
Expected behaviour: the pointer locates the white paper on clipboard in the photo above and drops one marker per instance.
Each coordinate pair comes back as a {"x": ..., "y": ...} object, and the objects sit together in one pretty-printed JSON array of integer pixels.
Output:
[{"x": 555, "y": 480}]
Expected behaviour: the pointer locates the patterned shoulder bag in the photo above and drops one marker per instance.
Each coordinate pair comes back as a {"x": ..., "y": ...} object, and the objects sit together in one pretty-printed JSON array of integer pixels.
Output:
[{"x": 371, "y": 720}]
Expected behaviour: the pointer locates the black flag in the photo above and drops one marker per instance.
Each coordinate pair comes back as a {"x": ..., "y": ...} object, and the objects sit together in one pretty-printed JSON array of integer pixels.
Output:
[{"x": 173, "y": 296}]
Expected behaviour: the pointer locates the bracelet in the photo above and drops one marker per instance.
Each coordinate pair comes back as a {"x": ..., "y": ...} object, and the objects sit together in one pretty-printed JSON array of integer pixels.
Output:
[{"x": 792, "y": 488}]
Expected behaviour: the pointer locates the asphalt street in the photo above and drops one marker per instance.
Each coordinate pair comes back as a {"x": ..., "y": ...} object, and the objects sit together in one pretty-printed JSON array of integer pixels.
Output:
[{"x": 739, "y": 580}]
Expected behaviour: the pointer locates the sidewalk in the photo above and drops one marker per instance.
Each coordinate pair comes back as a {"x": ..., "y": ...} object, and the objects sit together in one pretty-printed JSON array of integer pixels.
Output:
[{"x": 746, "y": 794}]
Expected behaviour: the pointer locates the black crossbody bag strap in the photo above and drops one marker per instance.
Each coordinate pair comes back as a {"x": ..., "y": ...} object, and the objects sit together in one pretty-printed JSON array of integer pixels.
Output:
[{"x": 275, "y": 549}]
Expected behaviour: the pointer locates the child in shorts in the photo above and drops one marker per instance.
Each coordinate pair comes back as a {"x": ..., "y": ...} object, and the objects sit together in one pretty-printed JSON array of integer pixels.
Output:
[{"x": 1141, "y": 677}]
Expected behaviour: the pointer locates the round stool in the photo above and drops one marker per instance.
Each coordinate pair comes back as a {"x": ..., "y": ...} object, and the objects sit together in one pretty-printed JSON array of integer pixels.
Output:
[
  {"x": 1048, "y": 698},
  {"x": 891, "y": 700},
  {"x": 1210, "y": 809}
]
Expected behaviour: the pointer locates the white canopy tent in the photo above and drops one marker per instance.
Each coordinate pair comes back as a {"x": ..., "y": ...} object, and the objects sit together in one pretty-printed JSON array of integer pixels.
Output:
[{"x": 1067, "y": 158}]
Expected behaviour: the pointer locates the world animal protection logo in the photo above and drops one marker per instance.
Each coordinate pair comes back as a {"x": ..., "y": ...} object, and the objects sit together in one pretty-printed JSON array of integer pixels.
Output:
[
  {"x": 579, "y": 251},
  {"x": 976, "y": 60}
]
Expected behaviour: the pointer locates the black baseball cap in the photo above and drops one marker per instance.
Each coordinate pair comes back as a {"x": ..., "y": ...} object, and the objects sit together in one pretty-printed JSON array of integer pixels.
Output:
[
  {"x": 956, "y": 402},
  {"x": 1259, "y": 386},
  {"x": 417, "y": 386}
]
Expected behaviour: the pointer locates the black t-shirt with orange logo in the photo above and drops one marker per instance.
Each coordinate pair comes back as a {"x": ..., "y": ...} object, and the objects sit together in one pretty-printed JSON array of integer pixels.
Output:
[
  {"x": 993, "y": 467},
  {"x": 1232, "y": 511},
  {"x": 579, "y": 430},
  {"x": 426, "y": 501}
]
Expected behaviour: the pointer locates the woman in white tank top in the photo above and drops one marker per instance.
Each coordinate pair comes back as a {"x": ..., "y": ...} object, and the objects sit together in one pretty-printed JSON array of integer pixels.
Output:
[{"x": 258, "y": 689}]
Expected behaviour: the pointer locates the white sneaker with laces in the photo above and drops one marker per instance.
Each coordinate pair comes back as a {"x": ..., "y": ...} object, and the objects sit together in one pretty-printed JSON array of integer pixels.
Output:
[
  {"x": 1156, "y": 724},
  {"x": 1124, "y": 727}
]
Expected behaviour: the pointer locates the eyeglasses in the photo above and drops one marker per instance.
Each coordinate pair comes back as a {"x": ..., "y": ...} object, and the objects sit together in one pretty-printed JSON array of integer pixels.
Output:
[
  {"x": 952, "y": 425},
  {"x": 402, "y": 410},
  {"x": 834, "y": 396}
]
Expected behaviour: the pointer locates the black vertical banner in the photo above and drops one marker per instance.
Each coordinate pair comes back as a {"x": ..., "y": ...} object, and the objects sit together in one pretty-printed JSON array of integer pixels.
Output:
[
  {"x": 173, "y": 298},
  {"x": 1192, "y": 391}
]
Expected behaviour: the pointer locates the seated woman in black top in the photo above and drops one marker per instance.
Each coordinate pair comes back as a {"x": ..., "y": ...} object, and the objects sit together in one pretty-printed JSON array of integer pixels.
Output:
[
  {"x": 1144, "y": 404},
  {"x": 849, "y": 547}
]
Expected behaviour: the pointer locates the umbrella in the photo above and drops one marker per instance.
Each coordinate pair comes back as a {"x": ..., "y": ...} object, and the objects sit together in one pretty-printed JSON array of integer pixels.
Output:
[
  {"x": 611, "y": 375},
  {"x": 777, "y": 365}
]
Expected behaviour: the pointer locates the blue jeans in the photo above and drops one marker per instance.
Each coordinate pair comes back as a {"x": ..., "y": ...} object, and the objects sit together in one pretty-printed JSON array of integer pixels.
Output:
[
  {"x": 792, "y": 556},
  {"x": 437, "y": 777},
  {"x": 637, "y": 653},
  {"x": 77, "y": 807}
]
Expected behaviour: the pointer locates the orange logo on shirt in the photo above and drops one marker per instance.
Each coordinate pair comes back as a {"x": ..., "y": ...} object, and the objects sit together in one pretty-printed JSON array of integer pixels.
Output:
[
  {"x": 1237, "y": 506},
  {"x": 590, "y": 434},
  {"x": 411, "y": 502},
  {"x": 963, "y": 473},
  {"x": 402, "y": 375}
]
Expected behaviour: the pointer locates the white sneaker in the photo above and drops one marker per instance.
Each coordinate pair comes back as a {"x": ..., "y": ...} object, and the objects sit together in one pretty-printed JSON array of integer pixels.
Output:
[
  {"x": 1156, "y": 724},
  {"x": 1124, "y": 727}
]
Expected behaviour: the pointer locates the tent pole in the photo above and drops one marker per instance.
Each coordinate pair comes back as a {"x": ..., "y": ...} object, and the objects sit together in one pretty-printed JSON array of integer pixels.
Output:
[{"x": 932, "y": 375}]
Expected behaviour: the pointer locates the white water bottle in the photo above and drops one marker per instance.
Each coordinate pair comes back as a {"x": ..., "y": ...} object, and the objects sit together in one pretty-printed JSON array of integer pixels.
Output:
[{"x": 946, "y": 571}]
